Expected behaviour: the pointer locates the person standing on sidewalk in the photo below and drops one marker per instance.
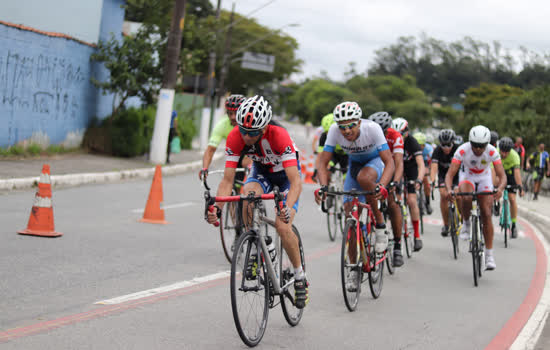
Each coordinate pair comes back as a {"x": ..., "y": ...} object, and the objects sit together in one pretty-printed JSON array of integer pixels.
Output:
[
  {"x": 539, "y": 160},
  {"x": 518, "y": 147},
  {"x": 172, "y": 134}
]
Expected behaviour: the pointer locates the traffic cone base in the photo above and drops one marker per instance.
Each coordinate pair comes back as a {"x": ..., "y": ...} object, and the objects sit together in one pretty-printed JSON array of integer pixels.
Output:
[
  {"x": 153, "y": 214},
  {"x": 41, "y": 218}
]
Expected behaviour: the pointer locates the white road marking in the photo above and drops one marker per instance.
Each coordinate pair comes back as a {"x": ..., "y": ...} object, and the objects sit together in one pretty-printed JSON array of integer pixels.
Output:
[
  {"x": 178, "y": 285},
  {"x": 177, "y": 205}
]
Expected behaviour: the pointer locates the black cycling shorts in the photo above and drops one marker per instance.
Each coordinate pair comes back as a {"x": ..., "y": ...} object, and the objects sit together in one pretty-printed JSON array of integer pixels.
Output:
[{"x": 411, "y": 173}]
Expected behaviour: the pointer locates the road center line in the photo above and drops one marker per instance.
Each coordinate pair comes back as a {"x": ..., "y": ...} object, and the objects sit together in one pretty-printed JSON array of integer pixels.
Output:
[{"x": 172, "y": 206}]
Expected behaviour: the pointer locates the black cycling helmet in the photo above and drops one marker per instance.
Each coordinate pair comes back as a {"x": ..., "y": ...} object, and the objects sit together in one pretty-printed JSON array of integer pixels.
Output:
[
  {"x": 506, "y": 144},
  {"x": 381, "y": 118},
  {"x": 446, "y": 136},
  {"x": 494, "y": 138},
  {"x": 233, "y": 102}
]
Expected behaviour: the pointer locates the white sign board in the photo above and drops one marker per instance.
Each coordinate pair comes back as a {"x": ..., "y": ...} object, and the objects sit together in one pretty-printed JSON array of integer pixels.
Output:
[{"x": 258, "y": 61}]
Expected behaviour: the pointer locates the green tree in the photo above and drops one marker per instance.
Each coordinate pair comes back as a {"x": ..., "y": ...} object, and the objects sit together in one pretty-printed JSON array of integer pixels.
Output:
[{"x": 481, "y": 98}]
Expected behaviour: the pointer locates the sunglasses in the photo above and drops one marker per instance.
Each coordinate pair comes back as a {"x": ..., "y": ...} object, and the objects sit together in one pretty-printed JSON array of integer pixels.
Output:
[
  {"x": 478, "y": 145},
  {"x": 446, "y": 145},
  {"x": 404, "y": 131},
  {"x": 251, "y": 133},
  {"x": 347, "y": 126}
]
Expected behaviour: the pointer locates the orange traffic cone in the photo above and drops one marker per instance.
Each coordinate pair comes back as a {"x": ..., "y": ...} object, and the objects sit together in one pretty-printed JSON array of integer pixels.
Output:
[
  {"x": 309, "y": 171},
  {"x": 153, "y": 214},
  {"x": 41, "y": 219}
]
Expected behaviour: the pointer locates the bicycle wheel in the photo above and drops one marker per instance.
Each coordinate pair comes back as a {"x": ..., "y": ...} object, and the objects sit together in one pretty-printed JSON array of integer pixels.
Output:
[
  {"x": 408, "y": 236},
  {"x": 376, "y": 267},
  {"x": 389, "y": 253},
  {"x": 332, "y": 220},
  {"x": 228, "y": 229},
  {"x": 339, "y": 211},
  {"x": 350, "y": 287},
  {"x": 249, "y": 290},
  {"x": 474, "y": 248},
  {"x": 506, "y": 220},
  {"x": 292, "y": 314},
  {"x": 453, "y": 231},
  {"x": 421, "y": 207}
]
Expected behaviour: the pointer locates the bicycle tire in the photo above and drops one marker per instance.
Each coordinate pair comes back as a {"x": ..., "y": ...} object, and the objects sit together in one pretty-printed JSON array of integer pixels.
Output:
[
  {"x": 243, "y": 249},
  {"x": 506, "y": 219},
  {"x": 376, "y": 271},
  {"x": 341, "y": 214},
  {"x": 351, "y": 298},
  {"x": 228, "y": 230},
  {"x": 474, "y": 249},
  {"x": 480, "y": 250},
  {"x": 292, "y": 314},
  {"x": 389, "y": 255},
  {"x": 332, "y": 221},
  {"x": 453, "y": 231},
  {"x": 408, "y": 237}
]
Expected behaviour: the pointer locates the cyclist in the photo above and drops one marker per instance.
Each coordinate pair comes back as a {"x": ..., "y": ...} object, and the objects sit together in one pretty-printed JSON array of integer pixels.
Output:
[
  {"x": 539, "y": 160},
  {"x": 427, "y": 151},
  {"x": 220, "y": 132},
  {"x": 338, "y": 156},
  {"x": 459, "y": 140},
  {"x": 493, "y": 142},
  {"x": 275, "y": 163},
  {"x": 396, "y": 144},
  {"x": 441, "y": 161},
  {"x": 371, "y": 164},
  {"x": 414, "y": 172},
  {"x": 476, "y": 156},
  {"x": 518, "y": 147},
  {"x": 511, "y": 163}
]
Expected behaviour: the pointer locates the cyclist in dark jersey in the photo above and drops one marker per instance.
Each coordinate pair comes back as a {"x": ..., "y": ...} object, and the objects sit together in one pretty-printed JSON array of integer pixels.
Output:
[
  {"x": 441, "y": 161},
  {"x": 540, "y": 161},
  {"x": 275, "y": 163}
]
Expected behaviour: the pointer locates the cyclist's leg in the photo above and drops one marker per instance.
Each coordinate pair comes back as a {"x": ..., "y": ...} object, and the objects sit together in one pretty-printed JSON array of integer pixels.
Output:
[
  {"x": 258, "y": 183},
  {"x": 465, "y": 203},
  {"x": 367, "y": 178},
  {"x": 444, "y": 206}
]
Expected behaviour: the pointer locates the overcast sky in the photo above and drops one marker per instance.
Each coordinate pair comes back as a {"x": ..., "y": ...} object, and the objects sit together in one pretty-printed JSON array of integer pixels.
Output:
[{"x": 333, "y": 33}]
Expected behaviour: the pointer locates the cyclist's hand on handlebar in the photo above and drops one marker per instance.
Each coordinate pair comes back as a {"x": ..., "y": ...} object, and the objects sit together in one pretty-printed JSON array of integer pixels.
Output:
[
  {"x": 417, "y": 184},
  {"x": 214, "y": 214},
  {"x": 284, "y": 214},
  {"x": 203, "y": 173},
  {"x": 450, "y": 195},
  {"x": 381, "y": 192},
  {"x": 320, "y": 194},
  {"x": 498, "y": 194}
]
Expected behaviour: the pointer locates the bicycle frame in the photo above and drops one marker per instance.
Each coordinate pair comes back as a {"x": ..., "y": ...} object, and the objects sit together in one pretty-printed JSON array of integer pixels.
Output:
[{"x": 505, "y": 216}]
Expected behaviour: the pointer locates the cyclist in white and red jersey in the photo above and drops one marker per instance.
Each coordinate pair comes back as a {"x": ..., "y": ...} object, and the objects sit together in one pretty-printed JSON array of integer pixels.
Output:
[
  {"x": 275, "y": 163},
  {"x": 476, "y": 157},
  {"x": 396, "y": 145}
]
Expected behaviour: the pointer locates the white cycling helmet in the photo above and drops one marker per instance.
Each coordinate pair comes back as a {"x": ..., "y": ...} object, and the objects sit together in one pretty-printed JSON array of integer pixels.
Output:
[
  {"x": 480, "y": 134},
  {"x": 347, "y": 111},
  {"x": 254, "y": 113},
  {"x": 400, "y": 124}
]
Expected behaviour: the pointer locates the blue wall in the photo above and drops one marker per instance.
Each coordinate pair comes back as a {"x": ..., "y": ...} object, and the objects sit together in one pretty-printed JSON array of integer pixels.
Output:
[{"x": 45, "y": 91}]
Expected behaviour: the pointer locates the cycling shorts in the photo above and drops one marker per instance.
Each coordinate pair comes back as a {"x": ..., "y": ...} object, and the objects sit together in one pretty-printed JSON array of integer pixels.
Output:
[
  {"x": 410, "y": 174},
  {"x": 351, "y": 178},
  {"x": 484, "y": 182},
  {"x": 512, "y": 182},
  {"x": 268, "y": 180},
  {"x": 441, "y": 180}
]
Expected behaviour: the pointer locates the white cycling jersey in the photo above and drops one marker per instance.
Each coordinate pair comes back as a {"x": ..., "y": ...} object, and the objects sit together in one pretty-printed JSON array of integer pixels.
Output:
[{"x": 474, "y": 169}]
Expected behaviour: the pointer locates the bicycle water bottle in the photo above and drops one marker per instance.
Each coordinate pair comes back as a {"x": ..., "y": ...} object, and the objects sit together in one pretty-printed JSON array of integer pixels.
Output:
[{"x": 271, "y": 248}]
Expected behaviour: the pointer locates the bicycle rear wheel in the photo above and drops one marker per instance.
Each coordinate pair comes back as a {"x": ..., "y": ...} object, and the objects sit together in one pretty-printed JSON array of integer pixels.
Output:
[
  {"x": 249, "y": 290},
  {"x": 505, "y": 219},
  {"x": 376, "y": 267},
  {"x": 292, "y": 314},
  {"x": 389, "y": 253},
  {"x": 228, "y": 230},
  {"x": 351, "y": 287},
  {"x": 475, "y": 250}
]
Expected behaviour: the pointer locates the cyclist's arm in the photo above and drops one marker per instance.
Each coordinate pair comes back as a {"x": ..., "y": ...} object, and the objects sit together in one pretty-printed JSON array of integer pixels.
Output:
[
  {"x": 517, "y": 176},
  {"x": 421, "y": 168},
  {"x": 434, "y": 167},
  {"x": 293, "y": 176},
  {"x": 207, "y": 157},
  {"x": 398, "y": 161},
  {"x": 322, "y": 170},
  {"x": 453, "y": 169},
  {"x": 501, "y": 175},
  {"x": 389, "y": 166},
  {"x": 226, "y": 185}
]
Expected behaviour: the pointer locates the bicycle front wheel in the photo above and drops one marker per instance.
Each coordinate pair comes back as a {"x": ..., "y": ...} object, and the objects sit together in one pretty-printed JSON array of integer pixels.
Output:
[
  {"x": 453, "y": 231},
  {"x": 249, "y": 290},
  {"x": 408, "y": 237},
  {"x": 228, "y": 230},
  {"x": 332, "y": 219},
  {"x": 475, "y": 250},
  {"x": 351, "y": 273},
  {"x": 376, "y": 267},
  {"x": 389, "y": 254},
  {"x": 292, "y": 314}
]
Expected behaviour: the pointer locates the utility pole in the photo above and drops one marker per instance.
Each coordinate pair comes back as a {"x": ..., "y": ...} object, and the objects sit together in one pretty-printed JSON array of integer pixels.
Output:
[
  {"x": 159, "y": 142},
  {"x": 226, "y": 55}
]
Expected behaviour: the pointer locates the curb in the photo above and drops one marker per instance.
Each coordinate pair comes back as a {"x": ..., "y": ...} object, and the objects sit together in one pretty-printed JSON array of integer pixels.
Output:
[{"x": 96, "y": 178}]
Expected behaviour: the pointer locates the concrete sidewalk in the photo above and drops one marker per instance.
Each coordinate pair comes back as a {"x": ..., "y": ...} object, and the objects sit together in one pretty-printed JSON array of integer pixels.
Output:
[{"x": 84, "y": 168}]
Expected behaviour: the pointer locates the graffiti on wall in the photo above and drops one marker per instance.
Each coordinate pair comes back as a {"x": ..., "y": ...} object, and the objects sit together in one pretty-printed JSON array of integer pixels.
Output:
[{"x": 41, "y": 85}]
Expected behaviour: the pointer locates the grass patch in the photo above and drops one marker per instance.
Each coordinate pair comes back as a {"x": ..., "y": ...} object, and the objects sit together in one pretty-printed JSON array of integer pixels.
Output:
[{"x": 34, "y": 149}]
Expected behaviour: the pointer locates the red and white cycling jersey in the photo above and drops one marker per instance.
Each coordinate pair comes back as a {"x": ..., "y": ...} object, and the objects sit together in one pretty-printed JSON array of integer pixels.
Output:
[
  {"x": 474, "y": 165},
  {"x": 395, "y": 141},
  {"x": 275, "y": 150}
]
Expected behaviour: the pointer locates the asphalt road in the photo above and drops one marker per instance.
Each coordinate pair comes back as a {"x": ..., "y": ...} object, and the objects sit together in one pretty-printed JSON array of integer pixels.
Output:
[{"x": 49, "y": 287}]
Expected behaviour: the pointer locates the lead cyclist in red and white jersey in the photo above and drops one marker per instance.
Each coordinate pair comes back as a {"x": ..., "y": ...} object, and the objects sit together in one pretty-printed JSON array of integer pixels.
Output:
[{"x": 275, "y": 163}]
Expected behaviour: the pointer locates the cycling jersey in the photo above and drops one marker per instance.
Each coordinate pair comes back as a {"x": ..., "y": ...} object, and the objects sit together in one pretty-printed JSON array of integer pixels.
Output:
[
  {"x": 273, "y": 152},
  {"x": 395, "y": 141},
  {"x": 511, "y": 162},
  {"x": 540, "y": 159},
  {"x": 476, "y": 170},
  {"x": 412, "y": 149},
  {"x": 221, "y": 131},
  {"x": 427, "y": 152},
  {"x": 443, "y": 161},
  {"x": 322, "y": 141}
]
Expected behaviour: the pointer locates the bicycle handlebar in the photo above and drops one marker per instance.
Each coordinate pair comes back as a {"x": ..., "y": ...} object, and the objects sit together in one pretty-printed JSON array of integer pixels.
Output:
[
  {"x": 475, "y": 193},
  {"x": 205, "y": 184}
]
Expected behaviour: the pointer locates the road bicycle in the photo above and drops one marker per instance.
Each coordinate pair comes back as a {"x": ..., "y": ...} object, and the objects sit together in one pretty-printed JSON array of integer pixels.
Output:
[
  {"x": 229, "y": 230},
  {"x": 332, "y": 205},
  {"x": 477, "y": 242},
  {"x": 529, "y": 184},
  {"x": 421, "y": 200},
  {"x": 357, "y": 253},
  {"x": 455, "y": 222},
  {"x": 257, "y": 275},
  {"x": 408, "y": 232},
  {"x": 505, "y": 216},
  {"x": 384, "y": 208}
]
